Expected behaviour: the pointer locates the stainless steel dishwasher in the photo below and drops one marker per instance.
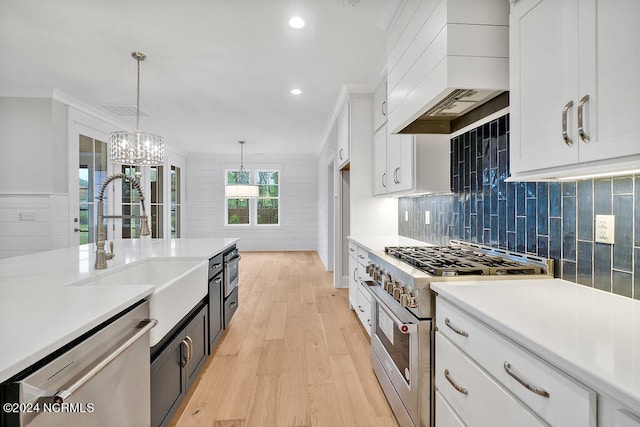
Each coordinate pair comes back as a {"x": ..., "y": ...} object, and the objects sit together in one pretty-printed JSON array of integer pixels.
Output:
[{"x": 100, "y": 379}]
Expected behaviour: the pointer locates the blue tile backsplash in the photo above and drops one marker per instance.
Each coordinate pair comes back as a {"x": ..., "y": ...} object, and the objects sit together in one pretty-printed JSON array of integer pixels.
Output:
[{"x": 550, "y": 219}]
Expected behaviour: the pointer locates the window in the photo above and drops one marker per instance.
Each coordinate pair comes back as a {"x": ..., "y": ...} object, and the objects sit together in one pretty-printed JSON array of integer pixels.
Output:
[
  {"x": 265, "y": 210},
  {"x": 130, "y": 205},
  {"x": 92, "y": 172}
]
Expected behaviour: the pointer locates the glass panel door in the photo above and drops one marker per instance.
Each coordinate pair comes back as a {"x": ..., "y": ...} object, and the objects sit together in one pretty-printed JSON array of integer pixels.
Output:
[
  {"x": 175, "y": 201},
  {"x": 92, "y": 171}
]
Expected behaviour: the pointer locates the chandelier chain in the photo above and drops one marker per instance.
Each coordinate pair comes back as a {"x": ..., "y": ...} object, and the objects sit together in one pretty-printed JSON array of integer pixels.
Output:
[{"x": 138, "y": 97}]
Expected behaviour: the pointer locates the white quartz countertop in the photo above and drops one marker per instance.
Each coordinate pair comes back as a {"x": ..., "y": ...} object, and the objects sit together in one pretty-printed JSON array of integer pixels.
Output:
[
  {"x": 592, "y": 335},
  {"x": 40, "y": 313},
  {"x": 376, "y": 243}
]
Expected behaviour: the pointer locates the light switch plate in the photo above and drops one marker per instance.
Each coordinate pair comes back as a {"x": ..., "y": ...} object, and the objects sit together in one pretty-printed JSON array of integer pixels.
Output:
[
  {"x": 27, "y": 216},
  {"x": 605, "y": 228},
  {"x": 427, "y": 217}
]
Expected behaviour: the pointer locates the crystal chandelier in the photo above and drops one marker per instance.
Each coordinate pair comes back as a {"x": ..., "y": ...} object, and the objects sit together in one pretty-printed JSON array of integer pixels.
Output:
[
  {"x": 241, "y": 191},
  {"x": 136, "y": 148}
]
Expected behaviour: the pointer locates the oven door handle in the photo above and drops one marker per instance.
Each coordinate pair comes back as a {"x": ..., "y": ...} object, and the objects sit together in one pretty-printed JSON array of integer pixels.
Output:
[{"x": 404, "y": 327}]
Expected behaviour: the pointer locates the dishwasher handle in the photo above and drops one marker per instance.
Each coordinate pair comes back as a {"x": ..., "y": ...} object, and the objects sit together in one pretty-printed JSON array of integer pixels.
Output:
[{"x": 62, "y": 395}]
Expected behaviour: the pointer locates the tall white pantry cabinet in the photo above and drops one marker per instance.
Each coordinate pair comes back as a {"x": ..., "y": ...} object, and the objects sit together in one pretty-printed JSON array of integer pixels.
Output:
[{"x": 574, "y": 83}]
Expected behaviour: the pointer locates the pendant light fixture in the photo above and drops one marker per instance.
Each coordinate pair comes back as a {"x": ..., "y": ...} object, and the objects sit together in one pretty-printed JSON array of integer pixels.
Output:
[
  {"x": 136, "y": 148},
  {"x": 241, "y": 191}
]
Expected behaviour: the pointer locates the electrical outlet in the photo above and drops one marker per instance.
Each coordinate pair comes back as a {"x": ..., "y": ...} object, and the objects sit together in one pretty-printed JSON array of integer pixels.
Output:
[
  {"x": 605, "y": 228},
  {"x": 406, "y": 216},
  {"x": 427, "y": 217},
  {"x": 27, "y": 216}
]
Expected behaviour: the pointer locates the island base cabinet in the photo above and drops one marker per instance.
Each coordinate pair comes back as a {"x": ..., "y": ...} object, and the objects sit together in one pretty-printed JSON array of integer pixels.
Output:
[
  {"x": 177, "y": 366},
  {"x": 216, "y": 319},
  {"x": 230, "y": 307}
]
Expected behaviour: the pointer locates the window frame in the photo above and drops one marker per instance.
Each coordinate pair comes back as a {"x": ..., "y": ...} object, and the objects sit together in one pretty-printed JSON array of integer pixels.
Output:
[{"x": 253, "y": 203}]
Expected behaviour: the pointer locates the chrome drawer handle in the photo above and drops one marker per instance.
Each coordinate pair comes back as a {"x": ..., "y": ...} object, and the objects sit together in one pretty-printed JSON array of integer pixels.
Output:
[
  {"x": 581, "y": 131},
  {"x": 360, "y": 256},
  {"x": 537, "y": 390},
  {"x": 454, "y": 384},
  {"x": 565, "y": 136},
  {"x": 216, "y": 266},
  {"x": 384, "y": 176},
  {"x": 145, "y": 326},
  {"x": 454, "y": 329}
]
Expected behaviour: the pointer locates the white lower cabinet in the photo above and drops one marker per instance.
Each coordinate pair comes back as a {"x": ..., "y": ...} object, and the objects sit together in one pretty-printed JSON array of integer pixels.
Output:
[
  {"x": 359, "y": 298},
  {"x": 553, "y": 396},
  {"x": 473, "y": 394},
  {"x": 445, "y": 415}
]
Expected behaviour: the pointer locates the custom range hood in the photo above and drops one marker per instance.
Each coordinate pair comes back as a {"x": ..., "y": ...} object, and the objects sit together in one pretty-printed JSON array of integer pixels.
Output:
[{"x": 448, "y": 63}]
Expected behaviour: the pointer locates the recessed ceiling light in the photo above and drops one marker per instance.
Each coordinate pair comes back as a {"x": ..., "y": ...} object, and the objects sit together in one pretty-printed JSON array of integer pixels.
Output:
[
  {"x": 296, "y": 91},
  {"x": 296, "y": 22}
]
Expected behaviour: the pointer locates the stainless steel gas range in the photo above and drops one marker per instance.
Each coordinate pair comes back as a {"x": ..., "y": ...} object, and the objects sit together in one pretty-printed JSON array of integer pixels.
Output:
[{"x": 403, "y": 310}]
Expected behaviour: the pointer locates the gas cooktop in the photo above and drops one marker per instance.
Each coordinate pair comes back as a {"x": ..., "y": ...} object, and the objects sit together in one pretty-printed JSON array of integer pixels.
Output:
[{"x": 464, "y": 260}]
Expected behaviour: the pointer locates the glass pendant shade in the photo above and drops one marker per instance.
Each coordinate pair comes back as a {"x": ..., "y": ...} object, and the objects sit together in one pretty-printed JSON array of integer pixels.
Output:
[
  {"x": 136, "y": 148},
  {"x": 244, "y": 190},
  {"x": 241, "y": 191}
]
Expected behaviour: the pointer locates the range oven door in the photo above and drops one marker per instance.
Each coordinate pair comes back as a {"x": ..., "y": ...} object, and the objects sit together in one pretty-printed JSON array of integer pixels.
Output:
[{"x": 401, "y": 344}]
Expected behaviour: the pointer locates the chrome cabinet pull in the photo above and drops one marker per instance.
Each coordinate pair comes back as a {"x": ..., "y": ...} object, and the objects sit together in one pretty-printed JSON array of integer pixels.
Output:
[
  {"x": 341, "y": 153},
  {"x": 537, "y": 390},
  {"x": 145, "y": 326},
  {"x": 581, "y": 132},
  {"x": 384, "y": 175},
  {"x": 190, "y": 345},
  {"x": 454, "y": 329},
  {"x": 565, "y": 135},
  {"x": 216, "y": 266},
  {"x": 395, "y": 175},
  {"x": 360, "y": 308},
  {"x": 384, "y": 103},
  {"x": 185, "y": 345},
  {"x": 233, "y": 304},
  {"x": 355, "y": 270},
  {"x": 454, "y": 384},
  {"x": 360, "y": 256}
]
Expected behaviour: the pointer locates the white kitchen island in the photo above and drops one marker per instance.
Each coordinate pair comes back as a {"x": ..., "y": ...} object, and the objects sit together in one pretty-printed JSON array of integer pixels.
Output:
[
  {"x": 41, "y": 312},
  {"x": 549, "y": 331}
]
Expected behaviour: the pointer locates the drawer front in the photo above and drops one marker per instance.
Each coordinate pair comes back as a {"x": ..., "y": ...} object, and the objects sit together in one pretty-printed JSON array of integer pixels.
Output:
[
  {"x": 215, "y": 265},
  {"x": 474, "y": 395},
  {"x": 445, "y": 415},
  {"x": 353, "y": 249},
  {"x": 364, "y": 309},
  {"x": 363, "y": 256},
  {"x": 568, "y": 403}
]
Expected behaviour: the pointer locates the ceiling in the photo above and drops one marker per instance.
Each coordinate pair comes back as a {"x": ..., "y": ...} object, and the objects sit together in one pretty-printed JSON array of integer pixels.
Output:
[{"x": 217, "y": 71}]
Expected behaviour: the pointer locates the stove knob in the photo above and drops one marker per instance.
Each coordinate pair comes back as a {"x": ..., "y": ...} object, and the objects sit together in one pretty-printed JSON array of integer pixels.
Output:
[
  {"x": 412, "y": 301},
  {"x": 397, "y": 290},
  {"x": 404, "y": 299}
]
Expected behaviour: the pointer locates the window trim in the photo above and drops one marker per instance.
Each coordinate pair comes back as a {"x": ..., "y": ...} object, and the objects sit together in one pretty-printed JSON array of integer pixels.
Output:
[{"x": 253, "y": 203}]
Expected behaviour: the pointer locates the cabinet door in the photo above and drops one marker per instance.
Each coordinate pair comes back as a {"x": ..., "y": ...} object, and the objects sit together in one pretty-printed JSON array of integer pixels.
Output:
[
  {"x": 215, "y": 311},
  {"x": 609, "y": 63},
  {"x": 380, "y": 177},
  {"x": 353, "y": 282},
  {"x": 380, "y": 105},
  {"x": 167, "y": 382},
  {"x": 543, "y": 37},
  {"x": 196, "y": 334},
  {"x": 401, "y": 162},
  {"x": 343, "y": 136}
]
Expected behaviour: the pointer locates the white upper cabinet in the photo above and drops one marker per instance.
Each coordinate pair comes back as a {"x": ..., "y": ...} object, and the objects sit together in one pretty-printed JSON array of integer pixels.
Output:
[
  {"x": 574, "y": 82},
  {"x": 380, "y": 179},
  {"x": 380, "y": 105},
  {"x": 411, "y": 164},
  {"x": 344, "y": 136}
]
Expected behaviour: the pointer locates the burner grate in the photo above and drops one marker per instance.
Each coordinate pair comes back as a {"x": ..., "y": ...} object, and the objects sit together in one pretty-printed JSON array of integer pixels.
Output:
[{"x": 454, "y": 261}]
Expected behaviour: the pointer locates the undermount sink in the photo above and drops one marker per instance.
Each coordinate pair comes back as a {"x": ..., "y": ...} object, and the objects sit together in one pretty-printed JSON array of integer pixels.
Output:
[{"x": 179, "y": 285}]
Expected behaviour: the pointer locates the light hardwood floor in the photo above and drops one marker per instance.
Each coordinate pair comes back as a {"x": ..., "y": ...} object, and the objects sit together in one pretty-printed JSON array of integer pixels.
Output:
[{"x": 294, "y": 354}]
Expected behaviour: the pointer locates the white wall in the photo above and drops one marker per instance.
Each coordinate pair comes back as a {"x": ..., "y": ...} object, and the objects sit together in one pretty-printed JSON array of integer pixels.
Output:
[
  {"x": 299, "y": 194},
  {"x": 325, "y": 234}
]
